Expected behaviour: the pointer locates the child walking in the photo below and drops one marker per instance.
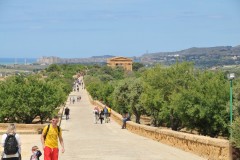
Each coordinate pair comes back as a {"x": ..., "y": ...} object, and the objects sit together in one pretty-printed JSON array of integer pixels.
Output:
[{"x": 36, "y": 153}]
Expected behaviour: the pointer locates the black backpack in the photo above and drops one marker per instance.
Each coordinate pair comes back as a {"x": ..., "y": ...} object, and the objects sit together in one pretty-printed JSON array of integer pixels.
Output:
[{"x": 10, "y": 145}]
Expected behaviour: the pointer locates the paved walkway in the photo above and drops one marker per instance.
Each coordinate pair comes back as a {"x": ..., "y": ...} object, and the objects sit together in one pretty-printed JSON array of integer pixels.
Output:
[{"x": 85, "y": 140}]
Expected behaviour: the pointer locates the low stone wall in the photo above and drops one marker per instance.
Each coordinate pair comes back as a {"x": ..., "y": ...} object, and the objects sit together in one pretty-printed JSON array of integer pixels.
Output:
[
  {"x": 210, "y": 148},
  {"x": 23, "y": 128},
  {"x": 30, "y": 128}
]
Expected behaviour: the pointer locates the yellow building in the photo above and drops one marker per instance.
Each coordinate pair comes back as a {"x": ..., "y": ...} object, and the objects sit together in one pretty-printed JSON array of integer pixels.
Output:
[{"x": 126, "y": 63}]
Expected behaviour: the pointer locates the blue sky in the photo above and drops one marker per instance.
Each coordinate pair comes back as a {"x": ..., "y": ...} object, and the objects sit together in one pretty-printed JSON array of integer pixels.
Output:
[{"x": 85, "y": 28}]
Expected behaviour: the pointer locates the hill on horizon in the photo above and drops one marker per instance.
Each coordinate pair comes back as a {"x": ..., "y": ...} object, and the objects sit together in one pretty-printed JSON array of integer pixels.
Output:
[
  {"x": 220, "y": 50},
  {"x": 204, "y": 57}
]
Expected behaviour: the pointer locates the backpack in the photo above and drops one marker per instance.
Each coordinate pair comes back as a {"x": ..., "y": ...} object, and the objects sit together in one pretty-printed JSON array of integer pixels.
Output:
[
  {"x": 48, "y": 130},
  {"x": 105, "y": 110},
  {"x": 10, "y": 145}
]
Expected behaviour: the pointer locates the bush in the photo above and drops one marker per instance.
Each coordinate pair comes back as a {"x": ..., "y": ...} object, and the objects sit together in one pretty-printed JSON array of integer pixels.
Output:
[{"x": 236, "y": 133}]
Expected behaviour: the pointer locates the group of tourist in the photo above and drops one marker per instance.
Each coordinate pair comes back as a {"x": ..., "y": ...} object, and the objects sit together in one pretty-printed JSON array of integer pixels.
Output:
[
  {"x": 102, "y": 114},
  {"x": 11, "y": 143},
  {"x": 77, "y": 84},
  {"x": 105, "y": 113}
]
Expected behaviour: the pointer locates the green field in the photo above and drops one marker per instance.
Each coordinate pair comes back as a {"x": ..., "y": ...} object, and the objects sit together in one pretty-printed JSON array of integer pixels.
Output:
[{"x": 6, "y": 69}]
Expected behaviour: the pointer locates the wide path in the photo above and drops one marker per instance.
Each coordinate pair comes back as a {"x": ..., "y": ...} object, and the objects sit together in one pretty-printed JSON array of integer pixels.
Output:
[{"x": 85, "y": 140}]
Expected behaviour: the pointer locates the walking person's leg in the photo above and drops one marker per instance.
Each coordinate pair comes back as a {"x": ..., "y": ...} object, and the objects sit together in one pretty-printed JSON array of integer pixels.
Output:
[
  {"x": 108, "y": 119},
  {"x": 105, "y": 118},
  {"x": 109, "y": 115},
  {"x": 55, "y": 154},
  {"x": 47, "y": 153},
  {"x": 95, "y": 118},
  {"x": 124, "y": 123}
]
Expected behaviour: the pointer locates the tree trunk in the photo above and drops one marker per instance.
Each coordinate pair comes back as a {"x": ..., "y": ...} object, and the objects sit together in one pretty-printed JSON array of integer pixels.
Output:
[
  {"x": 137, "y": 115},
  {"x": 41, "y": 119},
  {"x": 138, "y": 118},
  {"x": 175, "y": 122}
]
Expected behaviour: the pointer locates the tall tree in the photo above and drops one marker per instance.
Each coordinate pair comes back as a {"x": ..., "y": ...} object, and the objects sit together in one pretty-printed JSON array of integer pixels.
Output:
[
  {"x": 127, "y": 97},
  {"x": 23, "y": 98}
]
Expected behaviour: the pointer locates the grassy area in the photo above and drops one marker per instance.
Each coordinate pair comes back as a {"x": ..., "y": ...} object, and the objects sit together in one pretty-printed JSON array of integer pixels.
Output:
[{"x": 21, "y": 68}]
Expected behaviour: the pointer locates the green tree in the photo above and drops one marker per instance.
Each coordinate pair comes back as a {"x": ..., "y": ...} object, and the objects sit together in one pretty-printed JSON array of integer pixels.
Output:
[
  {"x": 160, "y": 84},
  {"x": 203, "y": 104},
  {"x": 136, "y": 66},
  {"x": 152, "y": 97},
  {"x": 235, "y": 132},
  {"x": 23, "y": 98},
  {"x": 135, "y": 92},
  {"x": 93, "y": 85},
  {"x": 127, "y": 97},
  {"x": 54, "y": 68}
]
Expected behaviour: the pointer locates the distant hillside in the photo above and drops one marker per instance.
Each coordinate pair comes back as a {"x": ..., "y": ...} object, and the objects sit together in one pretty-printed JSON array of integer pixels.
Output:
[
  {"x": 220, "y": 50},
  {"x": 201, "y": 57},
  {"x": 104, "y": 56}
]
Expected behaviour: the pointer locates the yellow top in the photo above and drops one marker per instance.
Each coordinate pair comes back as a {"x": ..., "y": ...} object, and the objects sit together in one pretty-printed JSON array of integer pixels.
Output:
[
  {"x": 52, "y": 136},
  {"x": 109, "y": 110}
]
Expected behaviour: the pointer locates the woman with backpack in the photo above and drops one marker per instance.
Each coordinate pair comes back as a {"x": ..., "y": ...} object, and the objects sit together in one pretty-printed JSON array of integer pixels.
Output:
[{"x": 11, "y": 144}]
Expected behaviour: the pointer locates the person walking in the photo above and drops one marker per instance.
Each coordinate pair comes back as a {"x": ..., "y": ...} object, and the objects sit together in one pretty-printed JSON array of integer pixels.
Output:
[
  {"x": 109, "y": 113},
  {"x": 73, "y": 100},
  {"x": 49, "y": 138},
  {"x": 67, "y": 112},
  {"x": 101, "y": 116},
  {"x": 11, "y": 144},
  {"x": 105, "y": 110},
  {"x": 96, "y": 114}
]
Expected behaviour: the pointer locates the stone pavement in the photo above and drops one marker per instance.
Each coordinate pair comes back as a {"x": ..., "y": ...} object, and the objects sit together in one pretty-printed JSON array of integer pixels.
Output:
[{"x": 85, "y": 140}]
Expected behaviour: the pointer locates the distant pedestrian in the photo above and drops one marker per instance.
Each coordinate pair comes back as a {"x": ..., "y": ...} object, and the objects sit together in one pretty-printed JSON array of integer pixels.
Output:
[
  {"x": 73, "y": 100},
  {"x": 96, "y": 114},
  {"x": 126, "y": 117},
  {"x": 67, "y": 112},
  {"x": 78, "y": 98},
  {"x": 101, "y": 116},
  {"x": 105, "y": 110},
  {"x": 109, "y": 113},
  {"x": 36, "y": 153}
]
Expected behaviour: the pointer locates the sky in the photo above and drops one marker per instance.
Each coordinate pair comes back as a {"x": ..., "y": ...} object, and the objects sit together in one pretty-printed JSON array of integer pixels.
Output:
[{"x": 85, "y": 28}]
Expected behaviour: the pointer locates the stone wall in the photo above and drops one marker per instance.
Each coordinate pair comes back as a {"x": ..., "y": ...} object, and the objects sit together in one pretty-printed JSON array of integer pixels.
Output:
[
  {"x": 23, "y": 128},
  {"x": 210, "y": 148},
  {"x": 30, "y": 128}
]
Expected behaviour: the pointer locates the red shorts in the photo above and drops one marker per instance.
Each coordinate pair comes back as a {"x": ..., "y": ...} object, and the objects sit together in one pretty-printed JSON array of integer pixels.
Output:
[{"x": 50, "y": 153}]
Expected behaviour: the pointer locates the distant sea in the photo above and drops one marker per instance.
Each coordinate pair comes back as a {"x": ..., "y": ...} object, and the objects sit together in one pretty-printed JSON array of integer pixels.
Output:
[{"x": 9, "y": 61}]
